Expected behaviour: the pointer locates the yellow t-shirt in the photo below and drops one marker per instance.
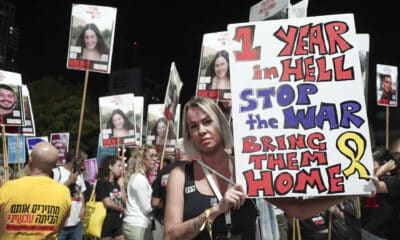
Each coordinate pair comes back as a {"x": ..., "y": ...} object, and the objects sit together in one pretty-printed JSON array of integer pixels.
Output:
[{"x": 33, "y": 207}]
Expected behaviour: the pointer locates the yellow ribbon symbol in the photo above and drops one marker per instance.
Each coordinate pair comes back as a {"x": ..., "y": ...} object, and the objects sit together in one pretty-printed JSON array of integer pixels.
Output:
[{"x": 354, "y": 155}]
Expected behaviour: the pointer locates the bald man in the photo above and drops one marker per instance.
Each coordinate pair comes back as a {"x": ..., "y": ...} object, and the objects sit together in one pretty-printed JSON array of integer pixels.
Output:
[{"x": 35, "y": 206}]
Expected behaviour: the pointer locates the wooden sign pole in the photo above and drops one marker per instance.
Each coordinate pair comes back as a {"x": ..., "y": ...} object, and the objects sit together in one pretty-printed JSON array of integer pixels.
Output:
[
  {"x": 387, "y": 127},
  {"x": 78, "y": 140},
  {"x": 5, "y": 153},
  {"x": 164, "y": 146}
]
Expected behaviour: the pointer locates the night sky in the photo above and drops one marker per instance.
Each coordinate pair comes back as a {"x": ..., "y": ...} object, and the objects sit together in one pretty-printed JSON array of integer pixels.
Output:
[{"x": 169, "y": 31}]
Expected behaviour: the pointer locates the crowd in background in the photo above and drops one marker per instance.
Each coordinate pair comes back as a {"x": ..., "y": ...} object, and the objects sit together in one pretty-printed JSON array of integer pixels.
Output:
[{"x": 192, "y": 200}]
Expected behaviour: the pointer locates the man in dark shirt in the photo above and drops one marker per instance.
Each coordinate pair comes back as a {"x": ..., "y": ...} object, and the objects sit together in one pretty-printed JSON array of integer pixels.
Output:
[{"x": 160, "y": 189}]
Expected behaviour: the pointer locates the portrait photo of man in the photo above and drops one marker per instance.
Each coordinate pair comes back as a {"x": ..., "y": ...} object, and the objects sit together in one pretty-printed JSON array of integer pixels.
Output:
[
  {"x": 386, "y": 84},
  {"x": 7, "y": 99},
  {"x": 10, "y": 105}
]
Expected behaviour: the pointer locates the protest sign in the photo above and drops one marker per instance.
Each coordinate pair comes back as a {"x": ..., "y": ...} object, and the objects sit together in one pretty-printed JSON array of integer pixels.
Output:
[
  {"x": 11, "y": 103},
  {"x": 117, "y": 120},
  {"x": 386, "y": 85},
  {"x": 61, "y": 142},
  {"x": 298, "y": 108},
  {"x": 214, "y": 75},
  {"x": 91, "y": 37},
  {"x": 171, "y": 99}
]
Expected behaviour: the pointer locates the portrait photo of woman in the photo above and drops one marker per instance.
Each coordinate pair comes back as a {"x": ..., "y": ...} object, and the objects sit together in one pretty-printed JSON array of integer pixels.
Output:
[
  {"x": 93, "y": 46},
  {"x": 160, "y": 132},
  {"x": 219, "y": 71},
  {"x": 120, "y": 124},
  {"x": 117, "y": 120}
]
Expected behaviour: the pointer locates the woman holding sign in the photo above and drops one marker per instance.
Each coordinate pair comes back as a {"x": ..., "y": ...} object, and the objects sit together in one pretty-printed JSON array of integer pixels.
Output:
[{"x": 203, "y": 201}]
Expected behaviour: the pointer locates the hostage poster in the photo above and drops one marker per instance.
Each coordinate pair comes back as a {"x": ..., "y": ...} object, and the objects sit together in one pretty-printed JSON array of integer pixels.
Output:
[
  {"x": 298, "y": 108},
  {"x": 91, "y": 37}
]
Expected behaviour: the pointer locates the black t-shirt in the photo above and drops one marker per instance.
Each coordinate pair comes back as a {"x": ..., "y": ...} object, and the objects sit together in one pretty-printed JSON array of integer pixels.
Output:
[
  {"x": 243, "y": 220},
  {"x": 311, "y": 226},
  {"x": 88, "y": 191},
  {"x": 380, "y": 213},
  {"x": 160, "y": 187},
  {"x": 105, "y": 189}
]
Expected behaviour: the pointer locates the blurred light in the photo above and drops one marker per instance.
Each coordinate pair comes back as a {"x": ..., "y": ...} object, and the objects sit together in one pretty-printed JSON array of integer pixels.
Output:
[{"x": 135, "y": 43}]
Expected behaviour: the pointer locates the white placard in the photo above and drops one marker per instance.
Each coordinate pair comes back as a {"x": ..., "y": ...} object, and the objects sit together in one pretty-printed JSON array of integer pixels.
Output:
[{"x": 298, "y": 108}]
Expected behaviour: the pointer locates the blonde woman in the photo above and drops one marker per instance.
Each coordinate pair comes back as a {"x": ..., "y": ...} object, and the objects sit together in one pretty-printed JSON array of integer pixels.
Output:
[
  {"x": 137, "y": 221},
  {"x": 191, "y": 201}
]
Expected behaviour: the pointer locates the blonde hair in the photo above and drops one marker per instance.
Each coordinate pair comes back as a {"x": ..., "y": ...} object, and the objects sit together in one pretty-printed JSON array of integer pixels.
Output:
[
  {"x": 214, "y": 112},
  {"x": 138, "y": 157}
]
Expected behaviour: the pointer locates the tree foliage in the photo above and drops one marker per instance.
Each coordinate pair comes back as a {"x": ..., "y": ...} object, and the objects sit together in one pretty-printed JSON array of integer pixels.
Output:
[{"x": 57, "y": 104}]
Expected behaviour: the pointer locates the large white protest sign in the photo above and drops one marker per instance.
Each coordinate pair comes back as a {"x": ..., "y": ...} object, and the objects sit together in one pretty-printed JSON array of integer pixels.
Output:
[{"x": 298, "y": 108}]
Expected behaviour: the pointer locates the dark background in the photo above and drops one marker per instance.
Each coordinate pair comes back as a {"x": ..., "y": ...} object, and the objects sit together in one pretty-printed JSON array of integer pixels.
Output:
[{"x": 166, "y": 31}]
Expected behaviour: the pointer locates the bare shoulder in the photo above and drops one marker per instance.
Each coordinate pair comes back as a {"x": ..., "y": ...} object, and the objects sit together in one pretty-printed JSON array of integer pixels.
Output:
[{"x": 177, "y": 171}]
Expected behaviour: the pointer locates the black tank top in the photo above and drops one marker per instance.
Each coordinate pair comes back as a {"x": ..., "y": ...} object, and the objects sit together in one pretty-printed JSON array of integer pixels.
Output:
[{"x": 243, "y": 220}]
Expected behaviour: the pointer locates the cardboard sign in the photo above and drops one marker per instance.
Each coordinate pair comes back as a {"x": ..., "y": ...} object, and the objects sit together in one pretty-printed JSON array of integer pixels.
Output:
[
  {"x": 386, "y": 85},
  {"x": 91, "y": 38},
  {"x": 298, "y": 108},
  {"x": 117, "y": 120},
  {"x": 11, "y": 103},
  {"x": 16, "y": 149},
  {"x": 214, "y": 74},
  {"x": 61, "y": 142},
  {"x": 171, "y": 99}
]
